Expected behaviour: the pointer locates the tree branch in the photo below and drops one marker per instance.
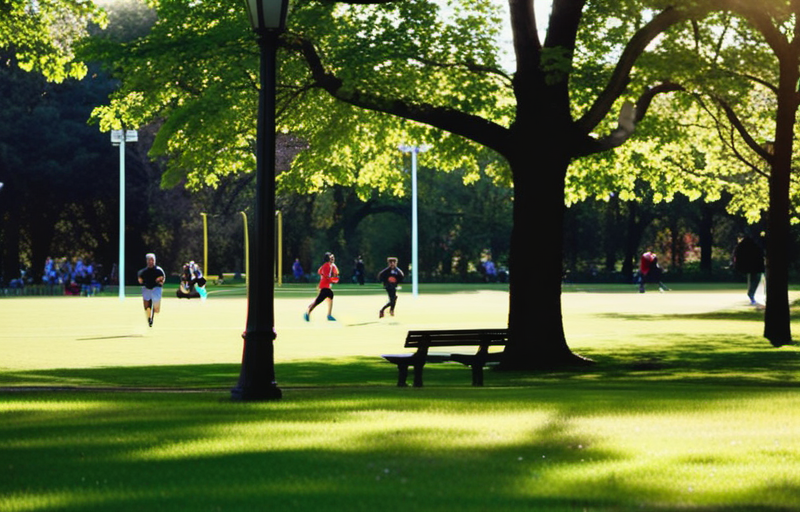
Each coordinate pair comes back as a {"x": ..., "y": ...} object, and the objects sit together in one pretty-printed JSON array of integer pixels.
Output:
[
  {"x": 527, "y": 46},
  {"x": 629, "y": 117},
  {"x": 472, "y": 127},
  {"x": 469, "y": 66},
  {"x": 621, "y": 75},
  {"x": 737, "y": 124}
]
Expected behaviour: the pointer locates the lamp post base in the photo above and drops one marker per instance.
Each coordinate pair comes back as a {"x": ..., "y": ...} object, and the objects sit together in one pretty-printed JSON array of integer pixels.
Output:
[
  {"x": 271, "y": 392},
  {"x": 257, "y": 378}
]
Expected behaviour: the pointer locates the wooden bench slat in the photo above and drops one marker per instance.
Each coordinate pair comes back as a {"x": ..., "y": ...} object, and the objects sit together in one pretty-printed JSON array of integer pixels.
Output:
[{"x": 423, "y": 340}]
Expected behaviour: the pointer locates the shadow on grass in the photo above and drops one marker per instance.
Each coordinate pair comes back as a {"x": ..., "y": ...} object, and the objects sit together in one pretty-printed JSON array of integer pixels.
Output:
[
  {"x": 700, "y": 359},
  {"x": 344, "y": 450},
  {"x": 729, "y": 360},
  {"x": 746, "y": 315},
  {"x": 143, "y": 452}
]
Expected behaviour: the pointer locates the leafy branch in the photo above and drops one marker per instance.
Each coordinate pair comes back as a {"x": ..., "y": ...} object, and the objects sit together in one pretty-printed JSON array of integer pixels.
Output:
[{"x": 455, "y": 121}]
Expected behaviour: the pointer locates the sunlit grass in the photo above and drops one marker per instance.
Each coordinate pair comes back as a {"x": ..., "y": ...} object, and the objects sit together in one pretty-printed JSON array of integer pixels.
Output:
[
  {"x": 520, "y": 448},
  {"x": 687, "y": 408}
]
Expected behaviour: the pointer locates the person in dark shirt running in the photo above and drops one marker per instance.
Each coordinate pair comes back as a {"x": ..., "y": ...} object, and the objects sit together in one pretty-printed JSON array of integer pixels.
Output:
[
  {"x": 391, "y": 276},
  {"x": 151, "y": 278}
]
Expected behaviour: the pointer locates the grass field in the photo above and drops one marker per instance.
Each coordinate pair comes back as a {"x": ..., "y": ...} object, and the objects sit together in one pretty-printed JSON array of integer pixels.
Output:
[{"x": 687, "y": 408}]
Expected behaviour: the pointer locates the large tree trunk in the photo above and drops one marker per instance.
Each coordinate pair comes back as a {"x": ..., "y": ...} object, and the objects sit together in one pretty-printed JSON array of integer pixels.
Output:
[
  {"x": 9, "y": 252},
  {"x": 777, "y": 326},
  {"x": 777, "y": 321},
  {"x": 537, "y": 337}
]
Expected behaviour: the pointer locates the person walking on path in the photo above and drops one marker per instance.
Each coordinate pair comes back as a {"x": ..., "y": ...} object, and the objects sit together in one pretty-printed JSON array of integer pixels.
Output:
[
  {"x": 748, "y": 258},
  {"x": 391, "y": 277},
  {"x": 328, "y": 274},
  {"x": 151, "y": 278}
]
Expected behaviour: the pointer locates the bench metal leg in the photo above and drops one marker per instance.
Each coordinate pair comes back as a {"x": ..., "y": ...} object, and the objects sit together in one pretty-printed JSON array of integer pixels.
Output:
[
  {"x": 477, "y": 375},
  {"x": 418, "y": 374},
  {"x": 402, "y": 375}
]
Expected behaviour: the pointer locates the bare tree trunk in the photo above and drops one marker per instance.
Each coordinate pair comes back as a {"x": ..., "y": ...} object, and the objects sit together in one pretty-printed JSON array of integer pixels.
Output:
[
  {"x": 534, "y": 320},
  {"x": 777, "y": 321}
]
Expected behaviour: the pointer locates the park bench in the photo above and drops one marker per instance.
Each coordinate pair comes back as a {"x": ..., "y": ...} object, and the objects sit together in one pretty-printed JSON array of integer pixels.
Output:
[{"x": 424, "y": 340}]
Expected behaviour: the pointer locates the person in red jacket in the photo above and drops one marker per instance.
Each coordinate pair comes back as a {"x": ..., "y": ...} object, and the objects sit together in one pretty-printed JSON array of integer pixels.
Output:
[
  {"x": 328, "y": 275},
  {"x": 650, "y": 272}
]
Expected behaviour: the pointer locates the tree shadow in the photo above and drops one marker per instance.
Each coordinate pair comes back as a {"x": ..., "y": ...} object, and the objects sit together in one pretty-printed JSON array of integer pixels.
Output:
[
  {"x": 700, "y": 359},
  {"x": 343, "y": 450}
]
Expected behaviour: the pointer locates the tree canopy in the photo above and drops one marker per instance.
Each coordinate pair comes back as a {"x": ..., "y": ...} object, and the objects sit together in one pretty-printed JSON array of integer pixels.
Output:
[
  {"x": 42, "y": 34},
  {"x": 199, "y": 76}
]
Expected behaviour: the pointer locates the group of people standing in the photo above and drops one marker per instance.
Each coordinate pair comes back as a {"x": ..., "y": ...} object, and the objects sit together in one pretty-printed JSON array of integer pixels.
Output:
[
  {"x": 80, "y": 278},
  {"x": 328, "y": 272}
]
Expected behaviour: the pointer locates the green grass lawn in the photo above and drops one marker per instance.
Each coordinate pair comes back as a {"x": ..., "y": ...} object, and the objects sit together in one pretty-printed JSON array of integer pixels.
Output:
[{"x": 687, "y": 408}]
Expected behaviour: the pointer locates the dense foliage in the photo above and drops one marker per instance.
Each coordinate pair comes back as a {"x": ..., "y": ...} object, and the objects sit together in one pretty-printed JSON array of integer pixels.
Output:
[{"x": 41, "y": 33}]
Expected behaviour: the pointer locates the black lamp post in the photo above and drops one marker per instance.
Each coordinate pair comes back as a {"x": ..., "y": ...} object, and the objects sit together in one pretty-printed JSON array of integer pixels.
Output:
[{"x": 257, "y": 377}]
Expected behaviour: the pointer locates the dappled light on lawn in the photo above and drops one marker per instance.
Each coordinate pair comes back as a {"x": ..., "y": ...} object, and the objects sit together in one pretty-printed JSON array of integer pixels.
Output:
[{"x": 556, "y": 448}]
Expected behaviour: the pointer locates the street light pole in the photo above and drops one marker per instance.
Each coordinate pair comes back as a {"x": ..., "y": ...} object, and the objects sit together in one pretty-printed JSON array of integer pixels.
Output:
[
  {"x": 414, "y": 150},
  {"x": 119, "y": 138},
  {"x": 205, "y": 243},
  {"x": 257, "y": 377}
]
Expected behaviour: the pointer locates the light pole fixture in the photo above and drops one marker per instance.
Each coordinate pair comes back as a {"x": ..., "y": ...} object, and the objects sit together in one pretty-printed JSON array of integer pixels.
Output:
[
  {"x": 119, "y": 138},
  {"x": 257, "y": 376},
  {"x": 414, "y": 150}
]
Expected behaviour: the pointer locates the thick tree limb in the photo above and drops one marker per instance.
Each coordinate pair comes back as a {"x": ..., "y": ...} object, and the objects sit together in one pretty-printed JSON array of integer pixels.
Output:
[
  {"x": 472, "y": 127},
  {"x": 742, "y": 130},
  {"x": 667, "y": 18},
  {"x": 729, "y": 140},
  {"x": 620, "y": 77},
  {"x": 526, "y": 37},
  {"x": 564, "y": 23},
  {"x": 758, "y": 80},
  {"x": 629, "y": 116}
]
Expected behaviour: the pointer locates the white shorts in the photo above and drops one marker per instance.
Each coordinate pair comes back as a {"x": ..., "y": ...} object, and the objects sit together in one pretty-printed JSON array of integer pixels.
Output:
[{"x": 152, "y": 294}]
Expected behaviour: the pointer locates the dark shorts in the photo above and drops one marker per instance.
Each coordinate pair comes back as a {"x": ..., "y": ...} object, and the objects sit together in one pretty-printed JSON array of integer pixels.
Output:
[{"x": 324, "y": 293}]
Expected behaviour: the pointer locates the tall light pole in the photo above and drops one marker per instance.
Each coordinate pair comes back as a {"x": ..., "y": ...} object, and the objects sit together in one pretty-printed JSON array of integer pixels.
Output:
[
  {"x": 246, "y": 252},
  {"x": 414, "y": 150},
  {"x": 205, "y": 243},
  {"x": 257, "y": 377},
  {"x": 119, "y": 138}
]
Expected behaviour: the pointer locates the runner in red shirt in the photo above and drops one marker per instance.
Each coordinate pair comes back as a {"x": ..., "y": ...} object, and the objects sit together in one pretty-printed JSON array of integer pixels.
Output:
[{"x": 328, "y": 275}]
